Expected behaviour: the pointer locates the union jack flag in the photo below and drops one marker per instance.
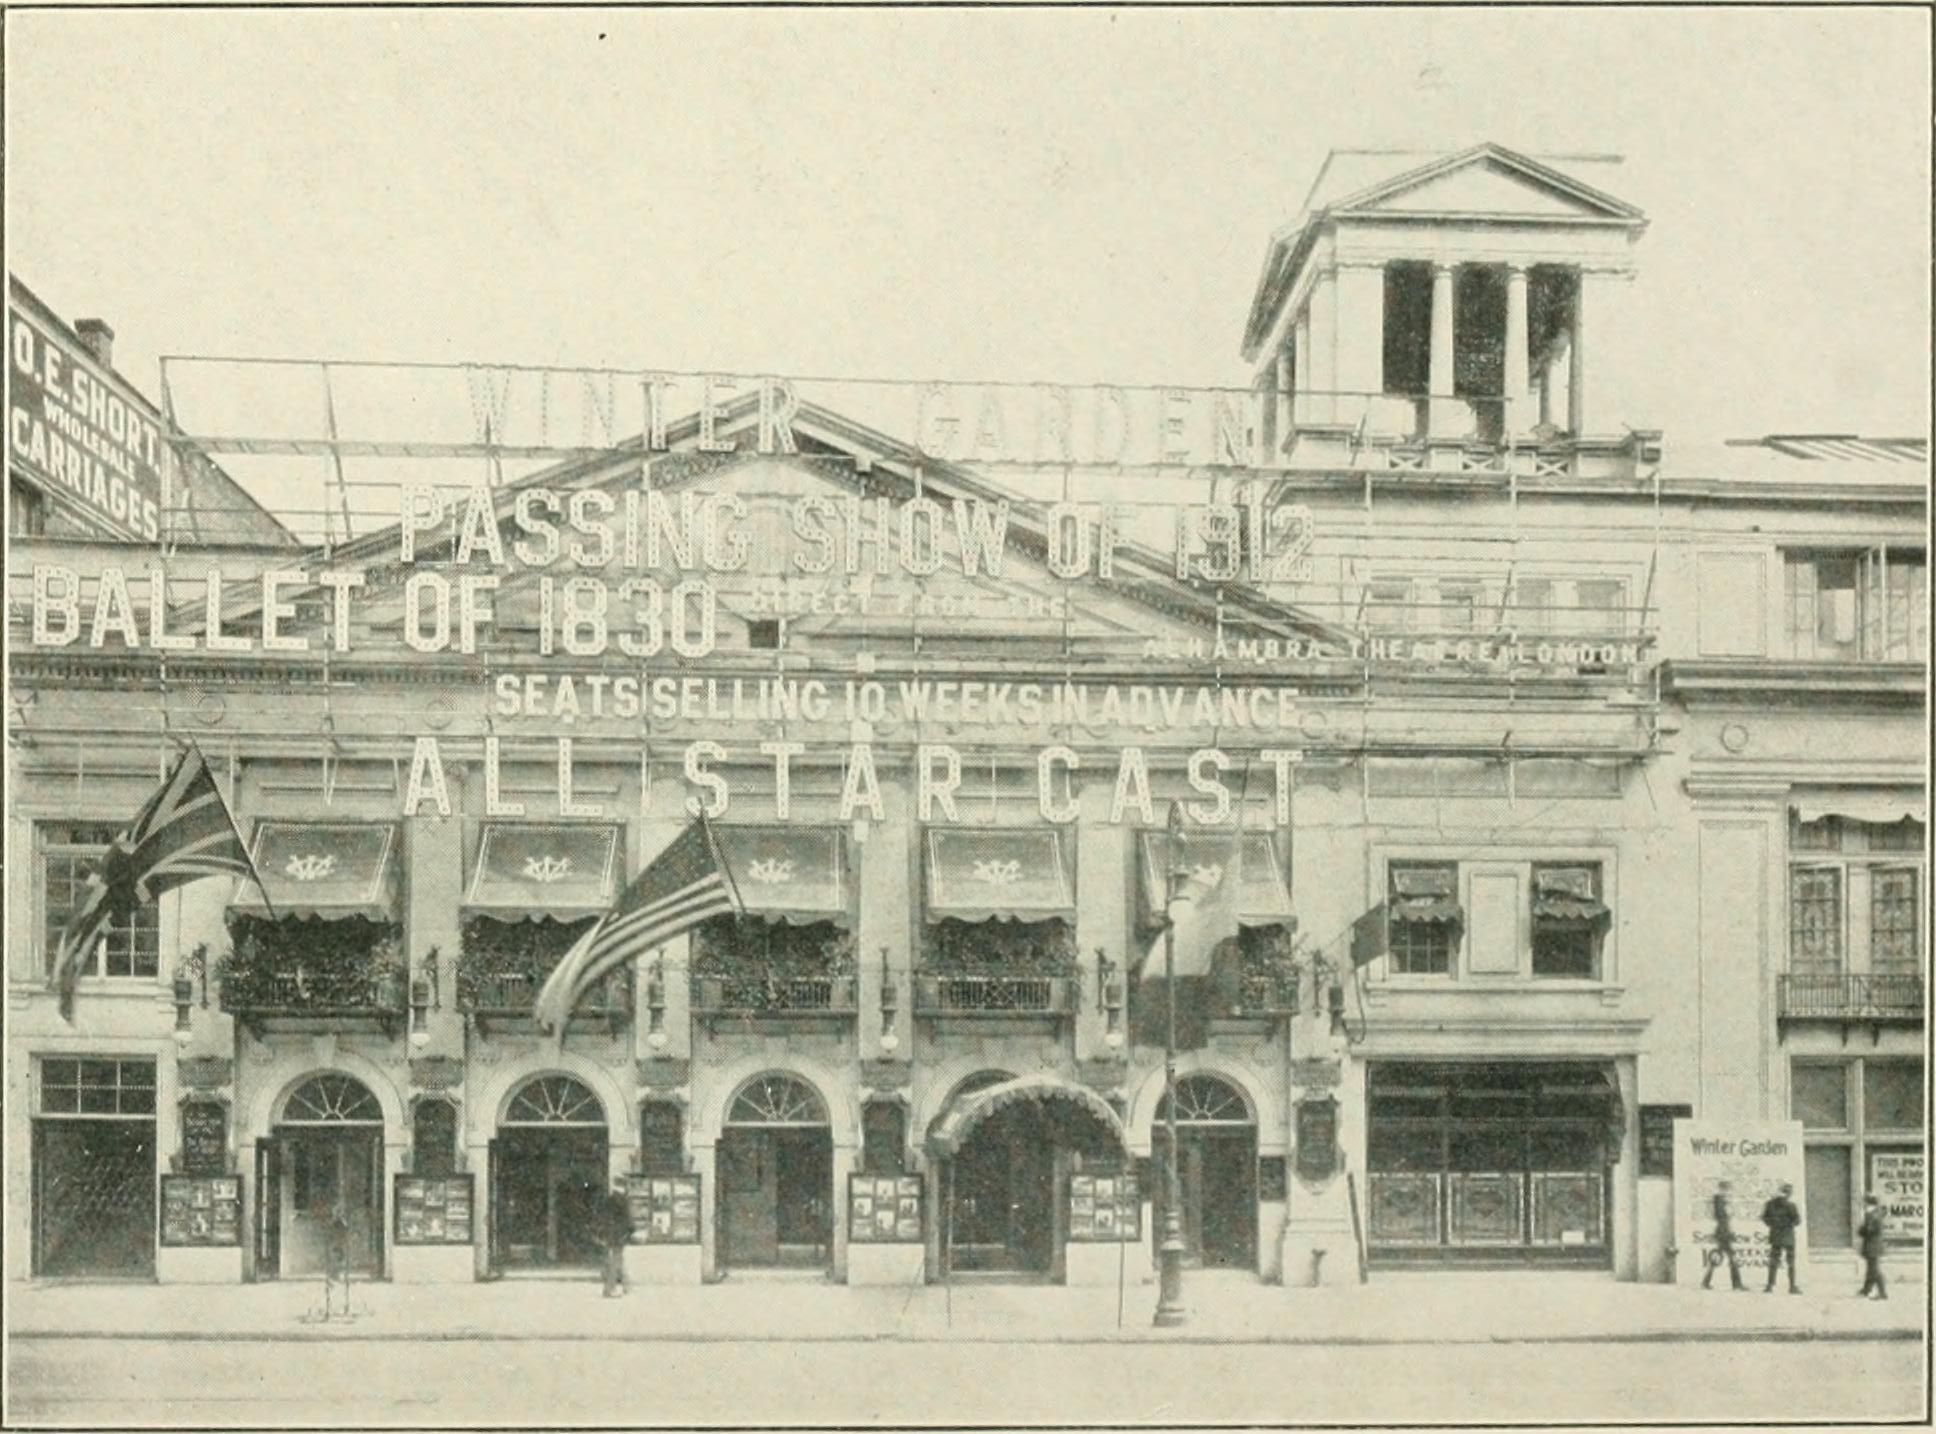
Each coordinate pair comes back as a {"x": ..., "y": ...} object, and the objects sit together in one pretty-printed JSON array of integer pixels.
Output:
[{"x": 182, "y": 833}]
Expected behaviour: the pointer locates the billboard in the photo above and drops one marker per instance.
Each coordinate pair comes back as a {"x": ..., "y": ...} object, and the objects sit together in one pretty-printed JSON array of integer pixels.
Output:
[
  {"x": 1755, "y": 1157},
  {"x": 79, "y": 434}
]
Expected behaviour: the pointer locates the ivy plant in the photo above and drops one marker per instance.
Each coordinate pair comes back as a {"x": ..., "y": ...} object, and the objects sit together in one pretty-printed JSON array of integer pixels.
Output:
[{"x": 288, "y": 961}]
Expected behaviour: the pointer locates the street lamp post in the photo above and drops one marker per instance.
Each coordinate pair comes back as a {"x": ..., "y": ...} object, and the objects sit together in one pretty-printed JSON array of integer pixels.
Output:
[{"x": 1169, "y": 1301}]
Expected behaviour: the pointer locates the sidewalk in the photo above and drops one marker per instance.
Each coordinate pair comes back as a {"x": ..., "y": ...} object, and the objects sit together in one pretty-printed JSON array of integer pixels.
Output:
[{"x": 1404, "y": 1308}]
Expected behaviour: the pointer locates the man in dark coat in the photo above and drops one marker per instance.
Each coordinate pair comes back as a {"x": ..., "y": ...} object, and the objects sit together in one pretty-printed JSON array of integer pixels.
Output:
[
  {"x": 614, "y": 1233},
  {"x": 1873, "y": 1233},
  {"x": 1781, "y": 1217},
  {"x": 1723, "y": 1242}
]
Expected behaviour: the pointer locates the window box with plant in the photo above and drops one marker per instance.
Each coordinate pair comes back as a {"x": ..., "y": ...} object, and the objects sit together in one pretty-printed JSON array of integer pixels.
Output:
[
  {"x": 996, "y": 968},
  {"x": 750, "y": 965},
  {"x": 290, "y": 967},
  {"x": 502, "y": 965}
]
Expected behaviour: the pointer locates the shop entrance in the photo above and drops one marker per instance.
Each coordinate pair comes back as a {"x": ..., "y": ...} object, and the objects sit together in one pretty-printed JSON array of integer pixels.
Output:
[
  {"x": 319, "y": 1181},
  {"x": 1216, "y": 1136},
  {"x": 1004, "y": 1196},
  {"x": 1489, "y": 1163},
  {"x": 549, "y": 1168},
  {"x": 776, "y": 1178},
  {"x": 94, "y": 1168}
]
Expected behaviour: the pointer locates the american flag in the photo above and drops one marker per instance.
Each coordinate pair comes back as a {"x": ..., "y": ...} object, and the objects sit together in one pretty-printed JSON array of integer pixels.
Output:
[
  {"x": 183, "y": 833},
  {"x": 682, "y": 886}
]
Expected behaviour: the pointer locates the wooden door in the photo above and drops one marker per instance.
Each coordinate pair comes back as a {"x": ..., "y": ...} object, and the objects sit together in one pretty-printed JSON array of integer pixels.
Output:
[{"x": 748, "y": 1198}]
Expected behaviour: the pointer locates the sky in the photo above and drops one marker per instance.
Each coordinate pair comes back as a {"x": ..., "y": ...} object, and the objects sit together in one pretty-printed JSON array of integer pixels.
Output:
[{"x": 1073, "y": 196}]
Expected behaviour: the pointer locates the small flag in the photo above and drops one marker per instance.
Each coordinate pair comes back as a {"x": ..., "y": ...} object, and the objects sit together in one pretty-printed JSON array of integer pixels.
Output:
[
  {"x": 1371, "y": 935},
  {"x": 183, "y": 833},
  {"x": 680, "y": 887},
  {"x": 1201, "y": 917}
]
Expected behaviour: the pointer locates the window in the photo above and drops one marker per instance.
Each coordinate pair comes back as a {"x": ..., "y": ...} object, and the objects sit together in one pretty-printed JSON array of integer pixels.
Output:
[
  {"x": 1425, "y": 917},
  {"x": 1459, "y": 606},
  {"x": 1533, "y": 600},
  {"x": 1855, "y": 901},
  {"x": 1568, "y": 919},
  {"x": 97, "y": 1086},
  {"x": 1862, "y": 1120},
  {"x": 1858, "y": 604},
  {"x": 1600, "y": 609},
  {"x": 69, "y": 853},
  {"x": 26, "y": 511},
  {"x": 765, "y": 634},
  {"x": 1388, "y": 605}
]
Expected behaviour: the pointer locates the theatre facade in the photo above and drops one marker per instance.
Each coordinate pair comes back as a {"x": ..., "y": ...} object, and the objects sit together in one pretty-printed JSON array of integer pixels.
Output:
[{"x": 1577, "y": 791}]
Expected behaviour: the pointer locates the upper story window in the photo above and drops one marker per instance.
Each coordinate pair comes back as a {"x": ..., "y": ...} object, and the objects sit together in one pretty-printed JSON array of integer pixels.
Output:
[
  {"x": 1858, "y": 604},
  {"x": 68, "y": 854},
  {"x": 1425, "y": 917},
  {"x": 1568, "y": 919},
  {"x": 26, "y": 511},
  {"x": 1855, "y": 896}
]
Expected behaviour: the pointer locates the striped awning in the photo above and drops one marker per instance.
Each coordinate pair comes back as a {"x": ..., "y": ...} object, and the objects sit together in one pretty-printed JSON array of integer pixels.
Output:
[
  {"x": 1884, "y": 806},
  {"x": 1011, "y": 874},
  {"x": 1263, "y": 896},
  {"x": 966, "y": 1112},
  {"x": 533, "y": 870},
  {"x": 786, "y": 873},
  {"x": 325, "y": 870},
  {"x": 1569, "y": 894}
]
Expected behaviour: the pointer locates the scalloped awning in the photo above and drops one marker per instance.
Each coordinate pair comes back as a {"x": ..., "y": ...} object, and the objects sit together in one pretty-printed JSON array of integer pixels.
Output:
[
  {"x": 1010, "y": 874},
  {"x": 533, "y": 870},
  {"x": 787, "y": 873},
  {"x": 958, "y": 1122},
  {"x": 1263, "y": 897},
  {"x": 323, "y": 870}
]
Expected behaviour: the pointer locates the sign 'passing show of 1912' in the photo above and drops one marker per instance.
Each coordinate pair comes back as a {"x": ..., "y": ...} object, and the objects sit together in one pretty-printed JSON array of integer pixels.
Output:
[{"x": 1755, "y": 1159}]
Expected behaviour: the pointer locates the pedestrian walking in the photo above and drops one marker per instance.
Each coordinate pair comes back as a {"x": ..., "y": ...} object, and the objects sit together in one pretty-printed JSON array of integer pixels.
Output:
[
  {"x": 1781, "y": 1216},
  {"x": 1873, "y": 1233},
  {"x": 1723, "y": 1241},
  {"x": 614, "y": 1233}
]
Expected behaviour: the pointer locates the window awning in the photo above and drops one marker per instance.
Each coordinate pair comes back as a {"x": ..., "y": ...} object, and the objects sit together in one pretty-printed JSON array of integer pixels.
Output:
[
  {"x": 966, "y": 1112},
  {"x": 532, "y": 870},
  {"x": 1264, "y": 898},
  {"x": 1567, "y": 894},
  {"x": 794, "y": 874},
  {"x": 1882, "y": 805},
  {"x": 1426, "y": 895},
  {"x": 329, "y": 870},
  {"x": 978, "y": 874}
]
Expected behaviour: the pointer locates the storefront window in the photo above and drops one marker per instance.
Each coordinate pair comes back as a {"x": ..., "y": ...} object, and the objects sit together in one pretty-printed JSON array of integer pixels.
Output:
[
  {"x": 1863, "y": 1119},
  {"x": 97, "y": 1087}
]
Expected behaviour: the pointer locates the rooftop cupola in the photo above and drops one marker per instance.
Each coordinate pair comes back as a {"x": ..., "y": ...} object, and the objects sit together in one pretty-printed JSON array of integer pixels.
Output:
[{"x": 1434, "y": 306}]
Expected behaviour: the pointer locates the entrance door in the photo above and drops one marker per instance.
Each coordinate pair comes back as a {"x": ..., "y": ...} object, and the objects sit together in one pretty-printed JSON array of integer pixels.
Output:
[
  {"x": 1217, "y": 1167},
  {"x": 550, "y": 1165},
  {"x": 94, "y": 1197},
  {"x": 775, "y": 1162},
  {"x": 330, "y": 1173},
  {"x": 545, "y": 1189},
  {"x": 1004, "y": 1196}
]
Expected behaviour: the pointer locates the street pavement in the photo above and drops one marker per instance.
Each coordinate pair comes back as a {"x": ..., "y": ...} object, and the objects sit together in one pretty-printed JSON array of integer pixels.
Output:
[{"x": 542, "y": 1382}]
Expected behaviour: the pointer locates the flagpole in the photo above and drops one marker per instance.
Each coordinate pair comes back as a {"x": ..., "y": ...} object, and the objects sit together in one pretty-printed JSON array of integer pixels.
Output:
[{"x": 1169, "y": 1302}]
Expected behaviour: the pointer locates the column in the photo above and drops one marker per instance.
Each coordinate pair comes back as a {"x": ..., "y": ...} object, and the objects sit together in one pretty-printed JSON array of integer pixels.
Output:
[
  {"x": 1446, "y": 420},
  {"x": 1322, "y": 351},
  {"x": 1286, "y": 389},
  {"x": 1576, "y": 360},
  {"x": 1518, "y": 351},
  {"x": 1301, "y": 410}
]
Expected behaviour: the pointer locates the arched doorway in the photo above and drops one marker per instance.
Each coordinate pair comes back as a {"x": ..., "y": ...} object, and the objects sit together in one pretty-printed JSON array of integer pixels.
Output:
[
  {"x": 1216, "y": 1142},
  {"x": 549, "y": 1166},
  {"x": 1005, "y": 1181},
  {"x": 320, "y": 1177},
  {"x": 776, "y": 1177}
]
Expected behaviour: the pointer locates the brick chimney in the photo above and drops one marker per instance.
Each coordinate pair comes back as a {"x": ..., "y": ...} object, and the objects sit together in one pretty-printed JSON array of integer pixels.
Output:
[{"x": 99, "y": 339}]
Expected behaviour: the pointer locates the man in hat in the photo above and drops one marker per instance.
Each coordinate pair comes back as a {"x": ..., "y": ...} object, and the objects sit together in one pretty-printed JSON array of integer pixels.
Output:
[
  {"x": 614, "y": 1233},
  {"x": 1781, "y": 1216},
  {"x": 1723, "y": 1241},
  {"x": 1872, "y": 1232}
]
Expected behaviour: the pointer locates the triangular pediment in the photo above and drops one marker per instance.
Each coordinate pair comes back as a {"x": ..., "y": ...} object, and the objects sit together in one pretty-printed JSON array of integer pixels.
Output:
[{"x": 1492, "y": 182}]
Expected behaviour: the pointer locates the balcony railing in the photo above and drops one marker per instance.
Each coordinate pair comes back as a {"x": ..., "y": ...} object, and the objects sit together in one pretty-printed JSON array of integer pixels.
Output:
[
  {"x": 1267, "y": 996},
  {"x": 773, "y": 993},
  {"x": 945, "y": 995},
  {"x": 1839, "y": 995},
  {"x": 503, "y": 995},
  {"x": 300, "y": 991}
]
